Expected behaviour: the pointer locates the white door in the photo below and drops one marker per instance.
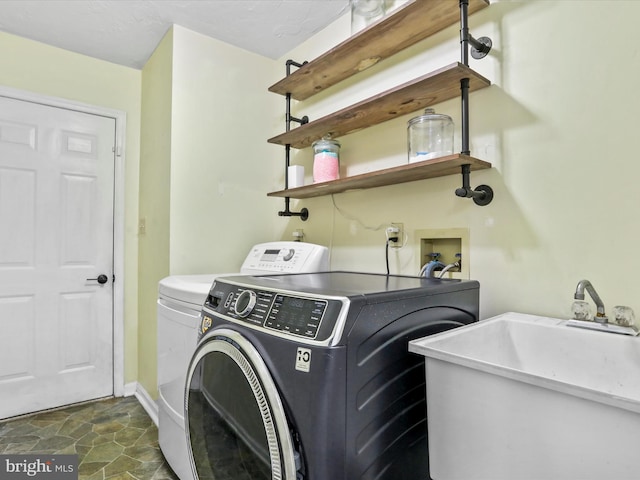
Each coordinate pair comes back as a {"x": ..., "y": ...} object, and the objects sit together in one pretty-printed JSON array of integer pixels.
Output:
[{"x": 56, "y": 233}]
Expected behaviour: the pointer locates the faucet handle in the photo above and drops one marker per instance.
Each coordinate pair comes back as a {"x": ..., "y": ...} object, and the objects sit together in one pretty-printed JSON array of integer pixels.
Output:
[
  {"x": 624, "y": 316},
  {"x": 581, "y": 310}
]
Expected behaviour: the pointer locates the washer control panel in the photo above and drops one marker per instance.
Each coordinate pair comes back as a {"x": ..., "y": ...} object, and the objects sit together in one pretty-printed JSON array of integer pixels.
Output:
[
  {"x": 300, "y": 316},
  {"x": 289, "y": 314}
]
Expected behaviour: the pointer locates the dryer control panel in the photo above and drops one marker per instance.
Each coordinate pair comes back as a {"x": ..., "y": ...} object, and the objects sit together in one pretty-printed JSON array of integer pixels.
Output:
[
  {"x": 307, "y": 317},
  {"x": 286, "y": 257}
]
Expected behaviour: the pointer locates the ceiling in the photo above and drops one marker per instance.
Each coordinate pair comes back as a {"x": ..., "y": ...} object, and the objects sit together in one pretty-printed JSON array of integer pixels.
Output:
[{"x": 126, "y": 32}]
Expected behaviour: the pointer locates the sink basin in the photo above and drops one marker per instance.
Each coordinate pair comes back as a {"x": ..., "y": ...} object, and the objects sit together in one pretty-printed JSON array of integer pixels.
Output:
[{"x": 526, "y": 397}]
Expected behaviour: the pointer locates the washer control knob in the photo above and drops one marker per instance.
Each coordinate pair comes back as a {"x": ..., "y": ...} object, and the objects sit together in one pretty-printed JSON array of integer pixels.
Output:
[
  {"x": 245, "y": 302},
  {"x": 289, "y": 255}
]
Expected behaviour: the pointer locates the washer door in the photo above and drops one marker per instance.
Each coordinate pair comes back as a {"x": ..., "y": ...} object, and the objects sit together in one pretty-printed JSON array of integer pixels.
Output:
[{"x": 235, "y": 421}]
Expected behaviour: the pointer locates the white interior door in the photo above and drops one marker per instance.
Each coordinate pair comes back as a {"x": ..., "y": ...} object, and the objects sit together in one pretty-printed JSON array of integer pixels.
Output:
[{"x": 56, "y": 233}]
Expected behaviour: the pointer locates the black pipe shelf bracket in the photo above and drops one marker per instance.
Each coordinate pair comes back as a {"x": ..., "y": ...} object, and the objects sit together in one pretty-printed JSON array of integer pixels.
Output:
[
  {"x": 304, "y": 213},
  {"x": 483, "y": 194}
]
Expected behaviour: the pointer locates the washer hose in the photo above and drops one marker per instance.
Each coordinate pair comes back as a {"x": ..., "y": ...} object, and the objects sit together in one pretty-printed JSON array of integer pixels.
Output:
[{"x": 430, "y": 267}]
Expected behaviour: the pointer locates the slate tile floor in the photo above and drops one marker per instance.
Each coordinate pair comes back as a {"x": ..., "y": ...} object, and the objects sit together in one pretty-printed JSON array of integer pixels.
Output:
[{"x": 114, "y": 438}]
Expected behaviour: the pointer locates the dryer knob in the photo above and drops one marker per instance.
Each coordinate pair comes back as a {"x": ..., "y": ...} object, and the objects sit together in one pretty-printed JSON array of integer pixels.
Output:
[
  {"x": 245, "y": 303},
  {"x": 289, "y": 255}
]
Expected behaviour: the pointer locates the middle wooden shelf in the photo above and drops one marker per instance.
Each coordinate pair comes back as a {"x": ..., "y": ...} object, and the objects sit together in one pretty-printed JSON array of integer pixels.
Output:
[{"x": 430, "y": 89}]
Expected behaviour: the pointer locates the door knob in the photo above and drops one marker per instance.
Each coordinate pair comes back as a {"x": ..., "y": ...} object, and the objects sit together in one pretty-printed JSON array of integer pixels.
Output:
[{"x": 101, "y": 279}]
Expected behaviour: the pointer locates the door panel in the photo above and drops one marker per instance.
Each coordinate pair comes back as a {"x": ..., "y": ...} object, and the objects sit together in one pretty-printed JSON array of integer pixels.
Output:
[
  {"x": 78, "y": 229},
  {"x": 17, "y": 318},
  {"x": 56, "y": 218},
  {"x": 17, "y": 208},
  {"x": 75, "y": 309}
]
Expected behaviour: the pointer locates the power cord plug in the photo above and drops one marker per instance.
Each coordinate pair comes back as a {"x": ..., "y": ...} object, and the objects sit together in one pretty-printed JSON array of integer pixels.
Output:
[
  {"x": 393, "y": 240},
  {"x": 393, "y": 236}
]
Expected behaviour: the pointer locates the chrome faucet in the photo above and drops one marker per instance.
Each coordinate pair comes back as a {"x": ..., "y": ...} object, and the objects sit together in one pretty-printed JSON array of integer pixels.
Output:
[{"x": 601, "y": 317}]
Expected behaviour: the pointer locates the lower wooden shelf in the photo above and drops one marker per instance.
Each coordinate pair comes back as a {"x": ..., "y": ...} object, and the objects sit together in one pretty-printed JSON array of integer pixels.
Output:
[{"x": 438, "y": 167}]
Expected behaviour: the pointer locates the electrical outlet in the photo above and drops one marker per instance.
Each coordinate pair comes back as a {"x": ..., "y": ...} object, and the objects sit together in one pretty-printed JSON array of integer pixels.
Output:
[{"x": 396, "y": 230}]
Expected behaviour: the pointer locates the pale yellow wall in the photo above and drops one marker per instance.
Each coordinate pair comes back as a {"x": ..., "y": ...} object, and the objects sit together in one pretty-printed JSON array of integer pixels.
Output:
[
  {"x": 46, "y": 70},
  {"x": 155, "y": 171},
  {"x": 221, "y": 164},
  {"x": 558, "y": 124}
]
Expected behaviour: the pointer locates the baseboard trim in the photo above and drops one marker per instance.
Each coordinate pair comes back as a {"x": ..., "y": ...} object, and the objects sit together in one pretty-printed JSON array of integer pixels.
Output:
[
  {"x": 129, "y": 389},
  {"x": 141, "y": 394}
]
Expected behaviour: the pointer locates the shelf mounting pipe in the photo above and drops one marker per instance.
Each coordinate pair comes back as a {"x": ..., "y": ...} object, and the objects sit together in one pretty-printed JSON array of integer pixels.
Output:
[
  {"x": 304, "y": 213},
  {"x": 483, "y": 194}
]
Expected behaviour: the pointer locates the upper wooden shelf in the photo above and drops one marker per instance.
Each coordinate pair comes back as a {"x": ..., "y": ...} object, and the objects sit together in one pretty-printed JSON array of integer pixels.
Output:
[
  {"x": 438, "y": 167},
  {"x": 430, "y": 89},
  {"x": 408, "y": 25}
]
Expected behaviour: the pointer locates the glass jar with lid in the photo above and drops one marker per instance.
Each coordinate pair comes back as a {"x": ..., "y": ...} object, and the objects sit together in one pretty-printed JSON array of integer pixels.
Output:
[
  {"x": 429, "y": 136},
  {"x": 365, "y": 13},
  {"x": 326, "y": 159}
]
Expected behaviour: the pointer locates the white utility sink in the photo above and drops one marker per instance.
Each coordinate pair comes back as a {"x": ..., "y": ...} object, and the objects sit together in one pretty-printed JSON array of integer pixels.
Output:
[{"x": 522, "y": 397}]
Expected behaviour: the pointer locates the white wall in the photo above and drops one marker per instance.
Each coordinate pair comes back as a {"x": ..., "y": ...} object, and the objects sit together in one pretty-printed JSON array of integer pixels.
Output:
[
  {"x": 558, "y": 125},
  {"x": 221, "y": 164},
  {"x": 206, "y": 167}
]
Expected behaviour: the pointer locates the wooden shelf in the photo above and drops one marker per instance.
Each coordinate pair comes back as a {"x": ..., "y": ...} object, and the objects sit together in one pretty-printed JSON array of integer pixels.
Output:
[
  {"x": 438, "y": 167},
  {"x": 430, "y": 89},
  {"x": 408, "y": 25}
]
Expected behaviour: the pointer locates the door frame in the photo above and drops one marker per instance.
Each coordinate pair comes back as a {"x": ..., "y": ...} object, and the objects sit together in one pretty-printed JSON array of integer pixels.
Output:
[{"x": 120, "y": 118}]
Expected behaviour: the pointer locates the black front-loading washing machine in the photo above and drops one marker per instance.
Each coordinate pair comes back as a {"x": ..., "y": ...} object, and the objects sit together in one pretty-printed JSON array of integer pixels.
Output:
[{"x": 308, "y": 376}]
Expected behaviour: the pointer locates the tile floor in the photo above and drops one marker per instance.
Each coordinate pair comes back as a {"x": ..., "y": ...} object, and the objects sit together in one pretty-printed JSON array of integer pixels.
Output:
[{"x": 114, "y": 438}]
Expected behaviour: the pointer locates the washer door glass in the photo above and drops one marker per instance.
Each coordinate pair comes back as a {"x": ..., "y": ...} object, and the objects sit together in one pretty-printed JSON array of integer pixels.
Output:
[{"x": 236, "y": 424}]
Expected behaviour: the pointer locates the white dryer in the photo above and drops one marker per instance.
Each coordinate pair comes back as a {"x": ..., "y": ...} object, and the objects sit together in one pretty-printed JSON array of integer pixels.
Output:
[{"x": 180, "y": 300}]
